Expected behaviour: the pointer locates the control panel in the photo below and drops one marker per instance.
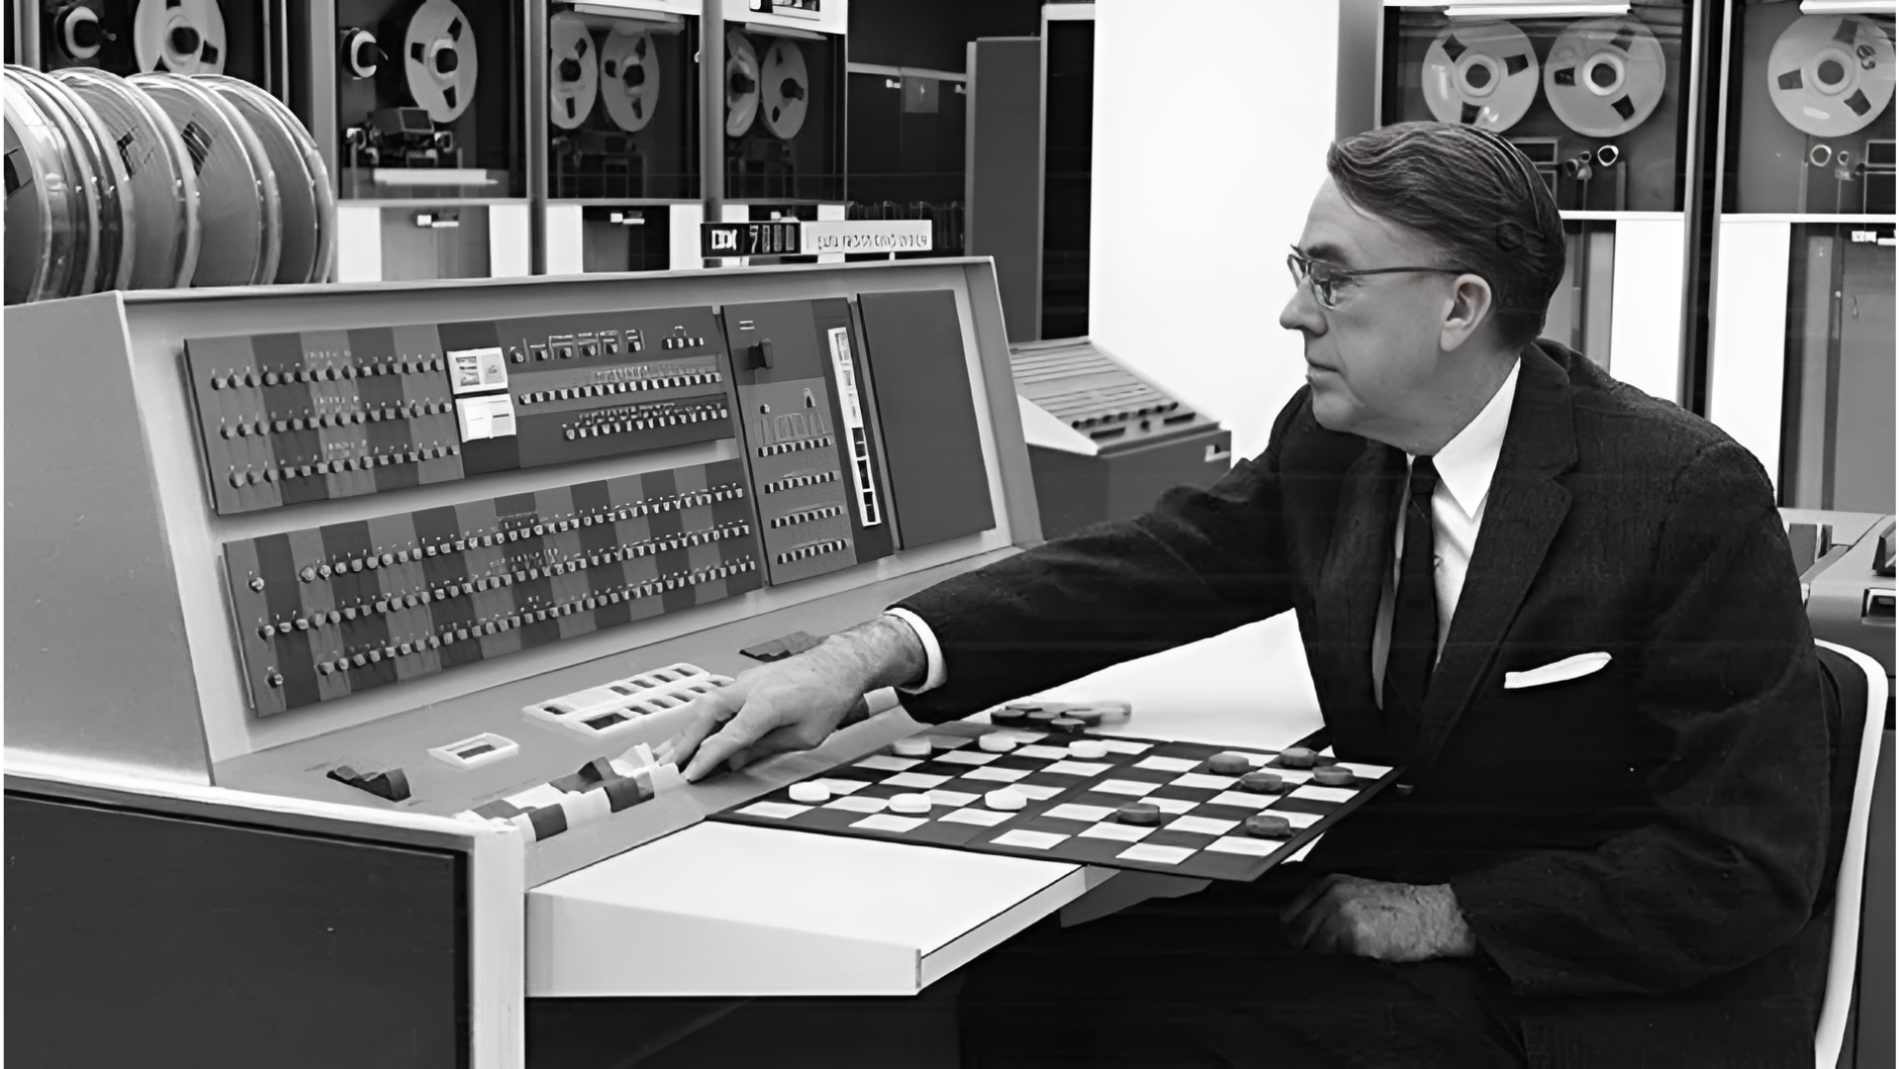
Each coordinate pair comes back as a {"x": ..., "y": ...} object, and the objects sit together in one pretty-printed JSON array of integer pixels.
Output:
[
  {"x": 331, "y": 611},
  {"x": 291, "y": 418}
]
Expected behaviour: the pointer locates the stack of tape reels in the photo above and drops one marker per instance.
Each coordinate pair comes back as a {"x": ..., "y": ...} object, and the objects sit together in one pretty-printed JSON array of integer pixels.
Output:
[
  {"x": 620, "y": 96},
  {"x": 157, "y": 181},
  {"x": 1831, "y": 78}
]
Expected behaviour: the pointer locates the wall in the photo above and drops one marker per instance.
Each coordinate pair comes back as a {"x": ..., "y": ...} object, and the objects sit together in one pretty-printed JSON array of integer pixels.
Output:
[
  {"x": 932, "y": 33},
  {"x": 1199, "y": 188}
]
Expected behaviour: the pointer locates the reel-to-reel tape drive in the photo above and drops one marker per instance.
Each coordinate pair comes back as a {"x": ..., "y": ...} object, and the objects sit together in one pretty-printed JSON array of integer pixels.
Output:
[
  {"x": 784, "y": 114},
  {"x": 622, "y": 105},
  {"x": 1816, "y": 112},
  {"x": 129, "y": 37},
  {"x": 425, "y": 99},
  {"x": 1591, "y": 101}
]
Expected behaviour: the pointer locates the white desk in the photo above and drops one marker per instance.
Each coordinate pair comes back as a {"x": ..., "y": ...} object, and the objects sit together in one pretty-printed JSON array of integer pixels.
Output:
[{"x": 723, "y": 909}]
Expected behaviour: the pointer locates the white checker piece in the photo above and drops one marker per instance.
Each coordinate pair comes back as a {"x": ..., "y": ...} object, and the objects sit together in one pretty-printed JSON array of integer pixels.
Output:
[
  {"x": 1250, "y": 847},
  {"x": 774, "y": 810},
  {"x": 1166, "y": 764},
  {"x": 1022, "y": 737},
  {"x": 887, "y": 763},
  {"x": 917, "y": 780},
  {"x": 1205, "y": 782},
  {"x": 1323, "y": 794},
  {"x": 1043, "y": 753},
  {"x": 967, "y": 757},
  {"x": 1160, "y": 855},
  {"x": 984, "y": 817},
  {"x": 889, "y": 822},
  {"x": 1073, "y": 811},
  {"x": 856, "y": 805},
  {"x": 1129, "y": 787},
  {"x": 1078, "y": 768},
  {"x": 996, "y": 775},
  {"x": 1202, "y": 825},
  {"x": 1127, "y": 833},
  {"x": 1034, "y": 840},
  {"x": 951, "y": 798}
]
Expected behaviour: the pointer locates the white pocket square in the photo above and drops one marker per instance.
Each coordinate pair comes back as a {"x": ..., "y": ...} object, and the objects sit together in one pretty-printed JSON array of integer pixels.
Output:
[{"x": 1556, "y": 671}]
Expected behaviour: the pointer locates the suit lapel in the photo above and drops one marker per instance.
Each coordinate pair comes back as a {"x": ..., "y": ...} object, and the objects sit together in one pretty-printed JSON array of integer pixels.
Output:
[
  {"x": 1351, "y": 579},
  {"x": 1523, "y": 512}
]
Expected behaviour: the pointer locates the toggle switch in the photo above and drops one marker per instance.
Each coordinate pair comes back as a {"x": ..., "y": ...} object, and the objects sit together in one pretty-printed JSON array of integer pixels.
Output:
[{"x": 761, "y": 353}]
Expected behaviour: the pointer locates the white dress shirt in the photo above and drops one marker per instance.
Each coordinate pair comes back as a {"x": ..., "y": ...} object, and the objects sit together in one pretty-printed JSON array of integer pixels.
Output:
[{"x": 1465, "y": 467}]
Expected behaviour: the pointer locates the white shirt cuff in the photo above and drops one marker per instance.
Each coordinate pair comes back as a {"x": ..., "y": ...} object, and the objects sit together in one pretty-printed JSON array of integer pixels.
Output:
[{"x": 934, "y": 673}]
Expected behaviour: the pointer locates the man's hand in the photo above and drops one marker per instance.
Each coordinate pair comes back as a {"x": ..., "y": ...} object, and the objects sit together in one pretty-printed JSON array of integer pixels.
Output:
[
  {"x": 796, "y": 703},
  {"x": 1388, "y": 921}
]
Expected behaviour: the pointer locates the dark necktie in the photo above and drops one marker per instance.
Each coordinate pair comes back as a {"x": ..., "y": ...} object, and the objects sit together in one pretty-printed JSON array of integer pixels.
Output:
[{"x": 1408, "y": 669}]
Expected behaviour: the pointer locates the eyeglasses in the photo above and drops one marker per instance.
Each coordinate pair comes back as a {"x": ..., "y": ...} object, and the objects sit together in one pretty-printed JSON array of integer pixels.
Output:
[{"x": 1327, "y": 279}]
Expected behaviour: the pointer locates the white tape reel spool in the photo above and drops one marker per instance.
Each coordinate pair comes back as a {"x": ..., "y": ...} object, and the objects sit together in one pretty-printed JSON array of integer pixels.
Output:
[
  {"x": 239, "y": 206},
  {"x": 785, "y": 90},
  {"x": 96, "y": 263},
  {"x": 159, "y": 172},
  {"x": 438, "y": 60},
  {"x": 1831, "y": 75},
  {"x": 1480, "y": 74},
  {"x": 303, "y": 183},
  {"x": 43, "y": 247},
  {"x": 573, "y": 72},
  {"x": 181, "y": 36},
  {"x": 630, "y": 78},
  {"x": 742, "y": 84},
  {"x": 1604, "y": 77}
]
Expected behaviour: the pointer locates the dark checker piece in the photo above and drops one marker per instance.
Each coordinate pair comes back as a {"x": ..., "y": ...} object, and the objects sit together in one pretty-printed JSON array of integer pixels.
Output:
[
  {"x": 1088, "y": 717},
  {"x": 1043, "y": 716},
  {"x": 1009, "y": 718},
  {"x": 1229, "y": 764},
  {"x": 1333, "y": 777},
  {"x": 1262, "y": 783},
  {"x": 1144, "y": 813},
  {"x": 1067, "y": 725},
  {"x": 1298, "y": 757},
  {"x": 1268, "y": 826}
]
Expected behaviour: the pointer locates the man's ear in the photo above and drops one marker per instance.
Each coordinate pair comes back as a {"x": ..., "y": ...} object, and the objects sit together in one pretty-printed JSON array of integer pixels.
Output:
[{"x": 1466, "y": 312}]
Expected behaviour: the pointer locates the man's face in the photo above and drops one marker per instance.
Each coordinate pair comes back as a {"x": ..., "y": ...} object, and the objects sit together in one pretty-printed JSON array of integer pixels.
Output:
[{"x": 1374, "y": 360}]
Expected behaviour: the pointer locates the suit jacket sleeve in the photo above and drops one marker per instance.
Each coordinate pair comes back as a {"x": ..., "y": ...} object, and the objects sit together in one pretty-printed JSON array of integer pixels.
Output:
[
  {"x": 1728, "y": 869},
  {"x": 1199, "y": 563}
]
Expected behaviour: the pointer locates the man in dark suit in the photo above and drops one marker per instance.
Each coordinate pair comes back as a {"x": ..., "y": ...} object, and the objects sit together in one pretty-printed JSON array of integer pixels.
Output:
[{"x": 1566, "y": 609}]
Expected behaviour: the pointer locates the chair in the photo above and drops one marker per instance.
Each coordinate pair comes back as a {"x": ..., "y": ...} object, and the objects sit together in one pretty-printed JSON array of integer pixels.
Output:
[{"x": 1862, "y": 685}]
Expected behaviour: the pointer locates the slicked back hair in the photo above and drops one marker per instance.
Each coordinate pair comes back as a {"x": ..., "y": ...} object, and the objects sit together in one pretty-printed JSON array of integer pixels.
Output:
[{"x": 1475, "y": 197}]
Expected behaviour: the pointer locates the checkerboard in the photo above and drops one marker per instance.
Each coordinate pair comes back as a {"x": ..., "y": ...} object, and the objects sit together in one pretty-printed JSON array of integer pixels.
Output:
[{"x": 1072, "y": 802}]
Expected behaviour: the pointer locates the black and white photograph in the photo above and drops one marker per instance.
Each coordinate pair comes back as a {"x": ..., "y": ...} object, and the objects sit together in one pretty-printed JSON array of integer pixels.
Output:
[{"x": 1180, "y": 534}]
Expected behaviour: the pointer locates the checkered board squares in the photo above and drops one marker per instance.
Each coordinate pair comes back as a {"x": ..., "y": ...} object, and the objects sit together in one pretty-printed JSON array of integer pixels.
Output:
[{"x": 1071, "y": 815}]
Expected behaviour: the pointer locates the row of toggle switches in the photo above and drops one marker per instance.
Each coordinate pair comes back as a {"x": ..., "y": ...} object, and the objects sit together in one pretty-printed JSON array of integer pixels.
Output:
[
  {"x": 342, "y": 464},
  {"x": 602, "y": 389},
  {"x": 821, "y": 442},
  {"x": 261, "y": 425},
  {"x": 328, "y": 373},
  {"x": 450, "y": 636}
]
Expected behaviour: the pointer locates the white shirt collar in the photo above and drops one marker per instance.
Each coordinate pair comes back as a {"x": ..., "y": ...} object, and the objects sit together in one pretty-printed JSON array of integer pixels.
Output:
[{"x": 1467, "y": 462}]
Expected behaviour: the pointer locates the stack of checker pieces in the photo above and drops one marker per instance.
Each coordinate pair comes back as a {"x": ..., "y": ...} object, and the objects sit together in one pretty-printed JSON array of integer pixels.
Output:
[{"x": 1073, "y": 806}]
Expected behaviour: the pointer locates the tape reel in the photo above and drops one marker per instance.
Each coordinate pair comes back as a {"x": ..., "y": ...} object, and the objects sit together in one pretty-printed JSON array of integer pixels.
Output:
[
  {"x": 162, "y": 183},
  {"x": 181, "y": 36},
  {"x": 1604, "y": 77},
  {"x": 1480, "y": 74},
  {"x": 90, "y": 174},
  {"x": 630, "y": 78},
  {"x": 43, "y": 211},
  {"x": 573, "y": 72},
  {"x": 308, "y": 206},
  {"x": 438, "y": 60},
  {"x": 240, "y": 209},
  {"x": 785, "y": 92},
  {"x": 742, "y": 84},
  {"x": 1831, "y": 75}
]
